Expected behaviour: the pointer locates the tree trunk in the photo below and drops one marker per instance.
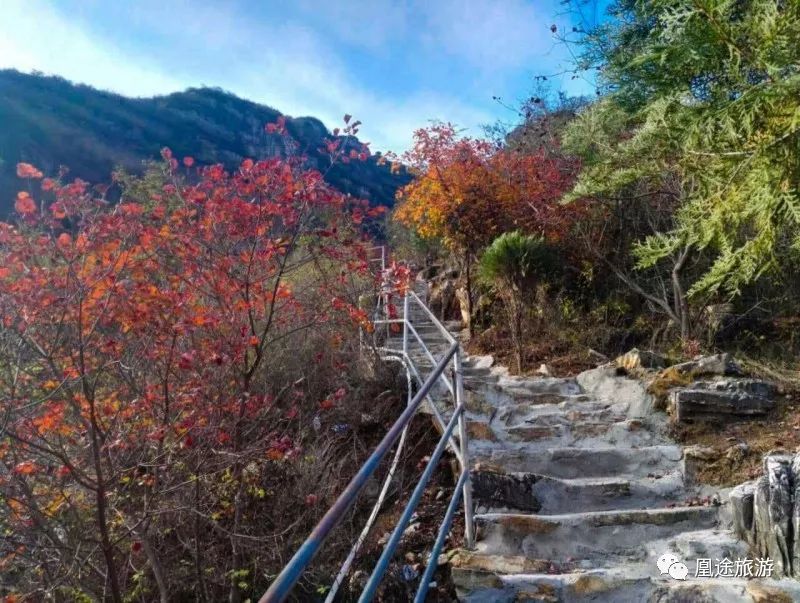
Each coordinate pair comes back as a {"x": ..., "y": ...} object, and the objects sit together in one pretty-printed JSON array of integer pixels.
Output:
[
  {"x": 514, "y": 307},
  {"x": 198, "y": 552},
  {"x": 155, "y": 566},
  {"x": 680, "y": 303},
  {"x": 102, "y": 521},
  {"x": 468, "y": 286}
]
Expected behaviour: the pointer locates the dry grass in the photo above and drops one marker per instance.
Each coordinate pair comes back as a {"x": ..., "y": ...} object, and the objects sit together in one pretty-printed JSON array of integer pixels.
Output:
[
  {"x": 562, "y": 357},
  {"x": 780, "y": 430}
]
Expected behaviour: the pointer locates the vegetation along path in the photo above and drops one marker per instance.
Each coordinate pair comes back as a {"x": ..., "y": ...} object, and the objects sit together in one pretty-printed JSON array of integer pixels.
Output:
[{"x": 579, "y": 491}]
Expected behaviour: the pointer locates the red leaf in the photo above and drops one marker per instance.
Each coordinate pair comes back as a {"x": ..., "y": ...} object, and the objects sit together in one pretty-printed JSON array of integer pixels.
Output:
[
  {"x": 26, "y": 468},
  {"x": 186, "y": 360},
  {"x": 58, "y": 210},
  {"x": 26, "y": 170},
  {"x": 24, "y": 204}
]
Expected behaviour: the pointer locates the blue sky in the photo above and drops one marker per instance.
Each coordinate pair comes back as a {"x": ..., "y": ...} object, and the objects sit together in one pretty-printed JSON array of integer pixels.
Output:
[{"x": 394, "y": 65}]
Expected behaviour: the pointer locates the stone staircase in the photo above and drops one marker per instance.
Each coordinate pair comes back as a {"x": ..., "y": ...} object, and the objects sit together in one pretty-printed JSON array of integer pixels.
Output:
[{"x": 578, "y": 493}]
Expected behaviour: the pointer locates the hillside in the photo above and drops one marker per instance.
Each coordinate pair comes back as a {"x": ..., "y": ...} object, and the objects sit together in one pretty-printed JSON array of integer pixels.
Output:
[{"x": 49, "y": 121}]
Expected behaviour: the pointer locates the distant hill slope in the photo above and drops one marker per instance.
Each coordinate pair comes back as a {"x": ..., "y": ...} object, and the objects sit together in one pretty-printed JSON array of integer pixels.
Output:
[{"x": 49, "y": 121}]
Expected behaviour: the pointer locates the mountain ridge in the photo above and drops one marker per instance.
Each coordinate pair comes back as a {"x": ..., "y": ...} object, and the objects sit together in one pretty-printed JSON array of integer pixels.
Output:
[{"x": 49, "y": 121}]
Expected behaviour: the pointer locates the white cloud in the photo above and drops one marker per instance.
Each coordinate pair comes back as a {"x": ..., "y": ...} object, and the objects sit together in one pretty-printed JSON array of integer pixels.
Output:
[
  {"x": 33, "y": 36},
  {"x": 293, "y": 64}
]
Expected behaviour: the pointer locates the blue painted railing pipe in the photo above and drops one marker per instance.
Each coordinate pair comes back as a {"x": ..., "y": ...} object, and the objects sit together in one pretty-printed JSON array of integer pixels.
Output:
[
  {"x": 290, "y": 574},
  {"x": 380, "y": 568},
  {"x": 444, "y": 529}
]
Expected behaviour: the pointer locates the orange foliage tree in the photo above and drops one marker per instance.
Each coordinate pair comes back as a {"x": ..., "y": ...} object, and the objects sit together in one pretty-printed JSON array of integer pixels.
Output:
[
  {"x": 467, "y": 191},
  {"x": 141, "y": 358}
]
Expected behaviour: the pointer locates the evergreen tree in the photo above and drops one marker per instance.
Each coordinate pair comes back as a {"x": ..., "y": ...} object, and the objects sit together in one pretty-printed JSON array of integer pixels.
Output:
[{"x": 705, "y": 93}]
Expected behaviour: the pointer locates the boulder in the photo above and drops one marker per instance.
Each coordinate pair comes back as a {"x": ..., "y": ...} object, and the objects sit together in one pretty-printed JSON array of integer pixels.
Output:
[
  {"x": 596, "y": 357},
  {"x": 640, "y": 359},
  {"x": 441, "y": 298},
  {"x": 737, "y": 452},
  {"x": 795, "y": 552},
  {"x": 506, "y": 490},
  {"x": 481, "y": 362},
  {"x": 754, "y": 387},
  {"x": 766, "y": 513},
  {"x": 772, "y": 513},
  {"x": 723, "y": 400},
  {"x": 703, "y": 453},
  {"x": 695, "y": 458},
  {"x": 718, "y": 364},
  {"x": 463, "y": 305},
  {"x": 605, "y": 384},
  {"x": 741, "y": 499}
]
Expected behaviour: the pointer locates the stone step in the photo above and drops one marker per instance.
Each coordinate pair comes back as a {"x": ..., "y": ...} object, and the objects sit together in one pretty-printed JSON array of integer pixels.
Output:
[
  {"x": 474, "y": 585},
  {"x": 725, "y": 590},
  {"x": 626, "y": 433},
  {"x": 495, "y": 492},
  {"x": 622, "y": 434},
  {"x": 547, "y": 391},
  {"x": 552, "y": 404},
  {"x": 557, "y": 416},
  {"x": 716, "y": 543},
  {"x": 521, "y": 388},
  {"x": 632, "y": 584},
  {"x": 601, "y": 537},
  {"x": 575, "y": 462}
]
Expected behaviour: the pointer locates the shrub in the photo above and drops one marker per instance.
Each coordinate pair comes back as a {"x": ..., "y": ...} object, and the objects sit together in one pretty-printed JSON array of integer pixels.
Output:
[{"x": 514, "y": 265}]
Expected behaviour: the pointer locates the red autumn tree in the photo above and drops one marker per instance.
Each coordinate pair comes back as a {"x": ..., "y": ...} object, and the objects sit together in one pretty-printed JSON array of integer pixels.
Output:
[{"x": 144, "y": 352}]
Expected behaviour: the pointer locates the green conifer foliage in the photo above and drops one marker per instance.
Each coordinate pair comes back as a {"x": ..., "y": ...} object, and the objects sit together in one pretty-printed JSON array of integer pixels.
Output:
[{"x": 707, "y": 91}]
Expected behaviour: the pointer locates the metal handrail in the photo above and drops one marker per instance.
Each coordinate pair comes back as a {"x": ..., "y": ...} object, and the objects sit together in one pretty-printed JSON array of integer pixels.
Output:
[
  {"x": 447, "y": 334},
  {"x": 291, "y": 573},
  {"x": 416, "y": 496}
]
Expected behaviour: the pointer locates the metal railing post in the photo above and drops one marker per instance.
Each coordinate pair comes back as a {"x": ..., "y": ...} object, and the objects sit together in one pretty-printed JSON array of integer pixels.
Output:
[
  {"x": 406, "y": 322},
  {"x": 469, "y": 522}
]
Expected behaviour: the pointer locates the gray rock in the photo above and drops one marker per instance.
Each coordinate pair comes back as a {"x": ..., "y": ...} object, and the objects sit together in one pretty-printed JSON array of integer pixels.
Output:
[
  {"x": 741, "y": 499},
  {"x": 718, "y": 364},
  {"x": 481, "y": 362},
  {"x": 717, "y": 404},
  {"x": 604, "y": 383},
  {"x": 796, "y": 516},
  {"x": 737, "y": 452},
  {"x": 442, "y": 297},
  {"x": 772, "y": 512},
  {"x": 754, "y": 387},
  {"x": 704, "y": 453},
  {"x": 506, "y": 490}
]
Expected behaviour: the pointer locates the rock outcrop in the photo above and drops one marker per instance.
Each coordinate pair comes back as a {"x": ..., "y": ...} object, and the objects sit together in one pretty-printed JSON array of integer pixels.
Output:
[
  {"x": 718, "y": 364},
  {"x": 766, "y": 513},
  {"x": 722, "y": 400}
]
